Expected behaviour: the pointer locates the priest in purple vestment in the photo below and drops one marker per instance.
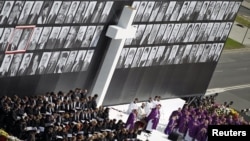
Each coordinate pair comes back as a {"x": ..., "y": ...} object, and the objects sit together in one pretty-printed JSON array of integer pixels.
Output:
[
  {"x": 153, "y": 118},
  {"x": 171, "y": 124},
  {"x": 130, "y": 123}
]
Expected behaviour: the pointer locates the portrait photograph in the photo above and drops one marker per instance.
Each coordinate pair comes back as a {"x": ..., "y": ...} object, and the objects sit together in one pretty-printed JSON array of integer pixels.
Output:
[
  {"x": 162, "y": 11},
  {"x": 222, "y": 10},
  {"x": 25, "y": 12},
  {"x": 151, "y": 57},
  {"x": 78, "y": 63},
  {"x": 97, "y": 12},
  {"x": 45, "y": 10},
  {"x": 106, "y": 11},
  {"x": 43, "y": 63},
  {"x": 23, "y": 69},
  {"x": 211, "y": 53},
  {"x": 62, "y": 37},
  {"x": 207, "y": 32},
  {"x": 181, "y": 34},
  {"x": 129, "y": 58},
  {"x": 88, "y": 37},
  {"x": 25, "y": 38},
  {"x": 174, "y": 33},
  {"x": 6, "y": 64},
  {"x": 6, "y": 11},
  {"x": 14, "y": 40},
  {"x": 209, "y": 11},
  {"x": 53, "y": 12},
  {"x": 61, "y": 62},
  {"x": 15, "y": 63},
  {"x": 167, "y": 33},
  {"x": 214, "y": 32},
  {"x": 144, "y": 39},
  {"x": 226, "y": 31},
  {"x": 34, "y": 13},
  {"x": 158, "y": 56},
  {"x": 234, "y": 11},
  {"x": 79, "y": 37},
  {"x": 218, "y": 51},
  {"x": 62, "y": 12},
  {"x": 52, "y": 62},
  {"x": 194, "y": 15},
  {"x": 179, "y": 54},
  {"x": 173, "y": 52},
  {"x": 154, "y": 11},
  {"x": 69, "y": 42},
  {"x": 153, "y": 34},
  {"x": 184, "y": 58},
  {"x": 34, "y": 38},
  {"x": 148, "y": 11},
  {"x": 5, "y": 38},
  {"x": 169, "y": 11},
  {"x": 199, "y": 53},
  {"x": 135, "y": 4},
  {"x": 144, "y": 57},
  {"x": 195, "y": 32},
  {"x": 80, "y": 11},
  {"x": 164, "y": 57},
  {"x": 70, "y": 62},
  {"x": 176, "y": 11},
  {"x": 51, "y": 42},
  {"x": 201, "y": 32},
  {"x": 220, "y": 31},
  {"x": 216, "y": 10},
  {"x": 140, "y": 11},
  {"x": 192, "y": 54},
  {"x": 188, "y": 14},
  {"x": 71, "y": 12},
  {"x": 138, "y": 35},
  {"x": 183, "y": 12},
  {"x": 205, "y": 53},
  {"x": 160, "y": 33},
  {"x": 137, "y": 57},
  {"x": 96, "y": 36},
  {"x": 87, "y": 60},
  {"x": 44, "y": 37},
  {"x": 89, "y": 12},
  {"x": 16, "y": 10},
  {"x": 122, "y": 58},
  {"x": 203, "y": 11}
]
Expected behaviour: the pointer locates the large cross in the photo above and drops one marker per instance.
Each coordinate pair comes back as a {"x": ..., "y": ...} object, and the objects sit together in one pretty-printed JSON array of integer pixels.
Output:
[{"x": 118, "y": 33}]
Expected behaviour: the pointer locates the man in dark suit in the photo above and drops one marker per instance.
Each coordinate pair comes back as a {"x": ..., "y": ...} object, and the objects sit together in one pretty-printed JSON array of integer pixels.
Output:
[
  {"x": 25, "y": 14},
  {"x": 14, "y": 15},
  {"x": 24, "y": 66},
  {"x": 15, "y": 65},
  {"x": 70, "y": 38},
  {"x": 62, "y": 37},
  {"x": 5, "y": 12},
  {"x": 53, "y": 38},
  {"x": 61, "y": 63},
  {"x": 71, "y": 13},
  {"x": 70, "y": 62},
  {"x": 5, "y": 65},
  {"x": 4, "y": 39},
  {"x": 35, "y": 13},
  {"x": 53, "y": 14},
  {"x": 42, "y": 66}
]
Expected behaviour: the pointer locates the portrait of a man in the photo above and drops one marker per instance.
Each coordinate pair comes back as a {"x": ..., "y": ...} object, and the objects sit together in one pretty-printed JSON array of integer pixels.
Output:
[
  {"x": 43, "y": 63},
  {"x": 5, "y": 64},
  {"x": 25, "y": 64},
  {"x": 97, "y": 12},
  {"x": 44, "y": 37},
  {"x": 62, "y": 37},
  {"x": 26, "y": 12},
  {"x": 78, "y": 63},
  {"x": 53, "y": 38},
  {"x": 70, "y": 62},
  {"x": 5, "y": 38},
  {"x": 5, "y": 12},
  {"x": 129, "y": 58},
  {"x": 34, "y": 38},
  {"x": 80, "y": 11},
  {"x": 122, "y": 58},
  {"x": 62, "y": 12},
  {"x": 14, "y": 14},
  {"x": 106, "y": 11},
  {"x": 88, "y": 14},
  {"x": 71, "y": 37},
  {"x": 15, "y": 64},
  {"x": 88, "y": 37},
  {"x": 53, "y": 12},
  {"x": 71, "y": 13},
  {"x": 61, "y": 62},
  {"x": 32, "y": 19},
  {"x": 13, "y": 43},
  {"x": 52, "y": 62},
  {"x": 87, "y": 60},
  {"x": 24, "y": 40},
  {"x": 96, "y": 36}
]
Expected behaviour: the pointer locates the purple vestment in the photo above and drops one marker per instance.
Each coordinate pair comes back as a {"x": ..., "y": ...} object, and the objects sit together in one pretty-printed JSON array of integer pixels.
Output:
[{"x": 154, "y": 116}]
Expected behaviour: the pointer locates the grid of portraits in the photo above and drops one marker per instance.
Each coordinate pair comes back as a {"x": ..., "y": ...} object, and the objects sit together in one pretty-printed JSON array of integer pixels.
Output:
[
  {"x": 53, "y": 12},
  {"x": 166, "y": 55},
  {"x": 21, "y": 64}
]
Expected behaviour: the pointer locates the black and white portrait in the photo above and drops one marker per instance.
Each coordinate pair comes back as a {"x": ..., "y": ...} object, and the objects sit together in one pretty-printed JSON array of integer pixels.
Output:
[
  {"x": 128, "y": 41},
  {"x": 207, "y": 32},
  {"x": 25, "y": 38},
  {"x": 211, "y": 53},
  {"x": 44, "y": 37},
  {"x": 122, "y": 58},
  {"x": 162, "y": 11},
  {"x": 209, "y": 11},
  {"x": 160, "y": 33},
  {"x": 71, "y": 37},
  {"x": 5, "y": 38},
  {"x": 16, "y": 10},
  {"x": 88, "y": 14},
  {"x": 43, "y": 63},
  {"x": 6, "y": 11},
  {"x": 222, "y": 10},
  {"x": 218, "y": 51},
  {"x": 174, "y": 33},
  {"x": 167, "y": 33},
  {"x": 25, "y": 15},
  {"x": 192, "y": 54},
  {"x": 144, "y": 57},
  {"x": 34, "y": 38},
  {"x": 176, "y": 11},
  {"x": 169, "y": 11},
  {"x": 72, "y": 11},
  {"x": 220, "y": 31},
  {"x": 79, "y": 36},
  {"x": 43, "y": 16},
  {"x": 52, "y": 62},
  {"x": 148, "y": 11},
  {"x": 151, "y": 57},
  {"x": 33, "y": 16},
  {"x": 80, "y": 12},
  {"x": 195, "y": 32},
  {"x": 153, "y": 33},
  {"x": 179, "y": 54},
  {"x": 205, "y": 53},
  {"x": 164, "y": 57},
  {"x": 140, "y": 11},
  {"x": 181, "y": 35},
  {"x": 53, "y": 38},
  {"x": 87, "y": 60},
  {"x": 97, "y": 12},
  {"x": 173, "y": 52},
  {"x": 145, "y": 37},
  {"x": 203, "y": 11},
  {"x": 129, "y": 58},
  {"x": 23, "y": 69},
  {"x": 106, "y": 11},
  {"x": 70, "y": 62},
  {"x": 62, "y": 12},
  {"x": 137, "y": 57},
  {"x": 234, "y": 11},
  {"x": 213, "y": 32},
  {"x": 183, "y": 12},
  {"x": 14, "y": 66},
  {"x": 228, "y": 10},
  {"x": 6, "y": 64},
  {"x": 62, "y": 37},
  {"x": 226, "y": 31},
  {"x": 158, "y": 56},
  {"x": 53, "y": 12},
  {"x": 78, "y": 63},
  {"x": 216, "y": 10},
  {"x": 13, "y": 43},
  {"x": 138, "y": 34},
  {"x": 34, "y": 64},
  {"x": 61, "y": 62},
  {"x": 96, "y": 36},
  {"x": 201, "y": 32},
  {"x": 154, "y": 11},
  {"x": 189, "y": 11},
  {"x": 199, "y": 53},
  {"x": 88, "y": 37},
  {"x": 184, "y": 58},
  {"x": 194, "y": 15}
]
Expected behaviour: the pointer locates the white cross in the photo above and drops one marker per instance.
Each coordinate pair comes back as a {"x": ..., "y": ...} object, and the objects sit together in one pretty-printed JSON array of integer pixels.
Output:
[{"x": 119, "y": 33}]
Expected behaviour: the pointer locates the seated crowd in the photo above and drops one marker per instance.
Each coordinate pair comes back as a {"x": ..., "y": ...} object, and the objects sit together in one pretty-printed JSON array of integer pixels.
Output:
[{"x": 71, "y": 116}]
